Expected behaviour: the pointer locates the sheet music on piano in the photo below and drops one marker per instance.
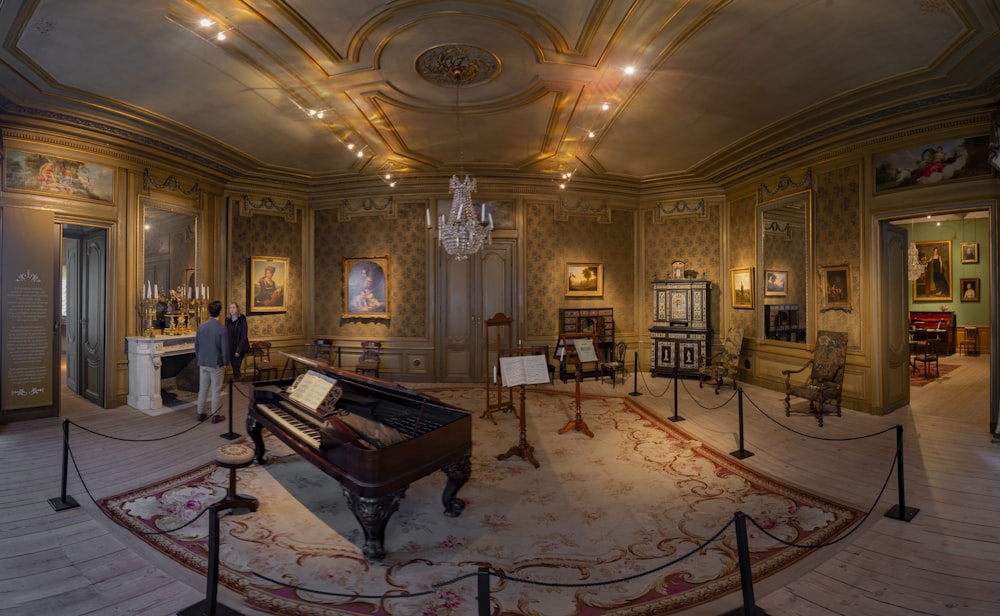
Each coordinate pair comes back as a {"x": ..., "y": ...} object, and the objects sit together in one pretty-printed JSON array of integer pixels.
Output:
[{"x": 311, "y": 389}]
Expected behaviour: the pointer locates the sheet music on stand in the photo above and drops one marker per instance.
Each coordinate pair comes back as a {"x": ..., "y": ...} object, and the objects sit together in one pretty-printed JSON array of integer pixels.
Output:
[
  {"x": 527, "y": 368},
  {"x": 312, "y": 389}
]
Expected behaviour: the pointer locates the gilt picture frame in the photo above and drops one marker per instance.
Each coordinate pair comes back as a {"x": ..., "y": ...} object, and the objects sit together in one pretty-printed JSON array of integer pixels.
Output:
[
  {"x": 970, "y": 289},
  {"x": 934, "y": 285},
  {"x": 742, "y": 279},
  {"x": 584, "y": 279},
  {"x": 970, "y": 252},
  {"x": 55, "y": 176},
  {"x": 366, "y": 288},
  {"x": 835, "y": 288},
  {"x": 775, "y": 283},
  {"x": 268, "y": 285}
]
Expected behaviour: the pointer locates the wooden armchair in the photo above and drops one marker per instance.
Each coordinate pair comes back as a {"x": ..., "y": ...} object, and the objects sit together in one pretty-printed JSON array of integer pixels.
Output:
[
  {"x": 824, "y": 387},
  {"x": 371, "y": 358},
  {"x": 726, "y": 363},
  {"x": 616, "y": 365},
  {"x": 260, "y": 353}
]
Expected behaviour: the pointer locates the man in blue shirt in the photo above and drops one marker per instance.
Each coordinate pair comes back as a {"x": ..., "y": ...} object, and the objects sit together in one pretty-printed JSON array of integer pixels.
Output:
[{"x": 211, "y": 349}]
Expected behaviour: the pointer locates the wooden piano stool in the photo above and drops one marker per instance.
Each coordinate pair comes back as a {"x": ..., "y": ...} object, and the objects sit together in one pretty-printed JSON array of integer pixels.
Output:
[{"x": 234, "y": 456}]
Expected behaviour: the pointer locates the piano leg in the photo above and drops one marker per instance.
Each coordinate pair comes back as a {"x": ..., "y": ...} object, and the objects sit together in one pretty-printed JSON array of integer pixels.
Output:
[
  {"x": 458, "y": 473},
  {"x": 373, "y": 515},
  {"x": 253, "y": 429}
]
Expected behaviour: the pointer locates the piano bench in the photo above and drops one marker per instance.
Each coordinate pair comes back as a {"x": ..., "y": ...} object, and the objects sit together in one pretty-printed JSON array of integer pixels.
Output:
[{"x": 234, "y": 456}]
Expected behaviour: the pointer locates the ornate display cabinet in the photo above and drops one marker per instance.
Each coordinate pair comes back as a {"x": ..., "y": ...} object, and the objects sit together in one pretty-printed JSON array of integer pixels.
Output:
[
  {"x": 680, "y": 335},
  {"x": 600, "y": 322}
]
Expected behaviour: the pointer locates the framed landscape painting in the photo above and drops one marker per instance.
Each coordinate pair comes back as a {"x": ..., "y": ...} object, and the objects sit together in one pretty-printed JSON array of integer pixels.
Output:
[
  {"x": 742, "y": 287},
  {"x": 584, "y": 279},
  {"x": 366, "y": 288},
  {"x": 268, "y": 284},
  {"x": 775, "y": 283}
]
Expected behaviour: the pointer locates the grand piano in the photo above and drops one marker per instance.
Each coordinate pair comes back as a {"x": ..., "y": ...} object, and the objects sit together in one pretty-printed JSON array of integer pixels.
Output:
[{"x": 374, "y": 437}]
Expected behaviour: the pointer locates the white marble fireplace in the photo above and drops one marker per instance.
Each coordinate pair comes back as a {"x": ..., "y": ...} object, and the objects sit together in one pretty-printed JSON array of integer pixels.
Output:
[{"x": 145, "y": 363}]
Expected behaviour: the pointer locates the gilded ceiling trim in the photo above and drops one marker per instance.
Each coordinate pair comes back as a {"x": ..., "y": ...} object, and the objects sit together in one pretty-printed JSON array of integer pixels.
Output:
[
  {"x": 366, "y": 206},
  {"x": 784, "y": 183},
  {"x": 171, "y": 183},
  {"x": 583, "y": 207},
  {"x": 267, "y": 207}
]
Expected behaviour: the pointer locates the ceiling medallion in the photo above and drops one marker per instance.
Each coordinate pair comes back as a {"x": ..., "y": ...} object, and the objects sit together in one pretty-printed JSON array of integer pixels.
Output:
[{"x": 457, "y": 65}]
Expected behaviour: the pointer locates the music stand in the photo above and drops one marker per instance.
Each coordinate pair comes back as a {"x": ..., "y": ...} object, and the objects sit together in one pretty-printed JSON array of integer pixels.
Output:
[
  {"x": 497, "y": 321},
  {"x": 577, "y": 349},
  {"x": 523, "y": 366}
]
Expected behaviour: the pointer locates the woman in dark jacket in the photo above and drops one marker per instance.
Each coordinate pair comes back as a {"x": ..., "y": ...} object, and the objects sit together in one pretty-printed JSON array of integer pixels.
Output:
[{"x": 239, "y": 344}]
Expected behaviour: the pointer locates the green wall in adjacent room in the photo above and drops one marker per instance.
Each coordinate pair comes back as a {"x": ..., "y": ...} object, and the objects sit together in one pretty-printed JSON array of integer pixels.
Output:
[{"x": 958, "y": 232}]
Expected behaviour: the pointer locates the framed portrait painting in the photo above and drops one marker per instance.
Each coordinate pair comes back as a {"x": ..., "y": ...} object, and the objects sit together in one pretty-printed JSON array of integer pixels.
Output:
[
  {"x": 970, "y": 252},
  {"x": 935, "y": 283},
  {"x": 775, "y": 283},
  {"x": 742, "y": 287},
  {"x": 366, "y": 288},
  {"x": 970, "y": 289},
  {"x": 584, "y": 279},
  {"x": 268, "y": 284},
  {"x": 835, "y": 288}
]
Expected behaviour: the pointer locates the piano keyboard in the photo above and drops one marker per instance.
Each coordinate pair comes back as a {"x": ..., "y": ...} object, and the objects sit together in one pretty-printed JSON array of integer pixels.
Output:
[{"x": 291, "y": 423}]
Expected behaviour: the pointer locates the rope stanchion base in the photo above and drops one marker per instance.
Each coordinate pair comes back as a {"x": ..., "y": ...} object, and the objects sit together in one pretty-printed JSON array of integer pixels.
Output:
[
  {"x": 755, "y": 611},
  {"x": 905, "y": 514},
  {"x": 63, "y": 503},
  {"x": 741, "y": 454},
  {"x": 230, "y": 435},
  {"x": 202, "y": 607}
]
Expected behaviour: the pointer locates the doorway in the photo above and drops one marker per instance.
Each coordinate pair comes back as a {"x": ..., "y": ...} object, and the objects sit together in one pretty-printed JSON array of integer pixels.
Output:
[{"x": 83, "y": 312}]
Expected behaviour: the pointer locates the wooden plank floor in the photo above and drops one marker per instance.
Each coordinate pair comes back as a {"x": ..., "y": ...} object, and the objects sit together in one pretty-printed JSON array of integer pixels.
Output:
[{"x": 946, "y": 561}]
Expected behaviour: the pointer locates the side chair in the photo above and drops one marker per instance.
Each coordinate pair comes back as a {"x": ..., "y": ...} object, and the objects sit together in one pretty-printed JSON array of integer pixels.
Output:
[{"x": 824, "y": 388}]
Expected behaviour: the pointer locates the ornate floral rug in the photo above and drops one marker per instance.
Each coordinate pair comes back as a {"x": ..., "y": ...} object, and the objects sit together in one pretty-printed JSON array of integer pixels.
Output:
[{"x": 637, "y": 495}]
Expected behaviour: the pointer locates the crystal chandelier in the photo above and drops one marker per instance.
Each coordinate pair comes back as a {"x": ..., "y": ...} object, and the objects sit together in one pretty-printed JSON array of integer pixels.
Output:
[{"x": 462, "y": 233}]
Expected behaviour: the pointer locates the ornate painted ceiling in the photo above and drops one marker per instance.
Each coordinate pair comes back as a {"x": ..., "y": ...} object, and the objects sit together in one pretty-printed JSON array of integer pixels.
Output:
[{"x": 493, "y": 86}]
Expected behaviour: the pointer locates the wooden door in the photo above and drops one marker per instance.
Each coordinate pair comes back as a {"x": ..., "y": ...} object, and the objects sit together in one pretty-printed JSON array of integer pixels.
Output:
[
  {"x": 470, "y": 291},
  {"x": 93, "y": 317},
  {"x": 71, "y": 310},
  {"x": 893, "y": 302}
]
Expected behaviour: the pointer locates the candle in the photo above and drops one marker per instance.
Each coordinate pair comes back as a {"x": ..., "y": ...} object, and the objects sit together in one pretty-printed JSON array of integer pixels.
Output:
[
  {"x": 149, "y": 290},
  {"x": 459, "y": 215},
  {"x": 491, "y": 220},
  {"x": 428, "y": 218},
  {"x": 156, "y": 290},
  {"x": 482, "y": 213},
  {"x": 494, "y": 374}
]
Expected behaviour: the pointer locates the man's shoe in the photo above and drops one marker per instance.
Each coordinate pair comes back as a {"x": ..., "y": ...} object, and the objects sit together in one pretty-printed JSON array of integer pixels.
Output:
[
  {"x": 217, "y": 418},
  {"x": 202, "y": 417}
]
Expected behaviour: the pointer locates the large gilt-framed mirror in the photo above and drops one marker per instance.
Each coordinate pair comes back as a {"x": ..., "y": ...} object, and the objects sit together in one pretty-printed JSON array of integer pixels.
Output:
[
  {"x": 170, "y": 249},
  {"x": 784, "y": 266}
]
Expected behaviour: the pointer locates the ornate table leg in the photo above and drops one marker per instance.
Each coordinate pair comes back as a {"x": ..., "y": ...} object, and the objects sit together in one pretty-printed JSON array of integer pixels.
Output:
[{"x": 458, "y": 474}]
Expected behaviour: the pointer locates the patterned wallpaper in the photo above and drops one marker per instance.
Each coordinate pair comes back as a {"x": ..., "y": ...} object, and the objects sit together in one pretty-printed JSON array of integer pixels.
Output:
[
  {"x": 837, "y": 233},
  {"x": 267, "y": 235},
  {"x": 579, "y": 238},
  {"x": 399, "y": 232},
  {"x": 742, "y": 253},
  {"x": 789, "y": 254},
  {"x": 692, "y": 238}
]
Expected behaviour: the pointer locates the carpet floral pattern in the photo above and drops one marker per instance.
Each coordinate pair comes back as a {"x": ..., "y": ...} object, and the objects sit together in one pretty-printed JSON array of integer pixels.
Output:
[{"x": 617, "y": 506}]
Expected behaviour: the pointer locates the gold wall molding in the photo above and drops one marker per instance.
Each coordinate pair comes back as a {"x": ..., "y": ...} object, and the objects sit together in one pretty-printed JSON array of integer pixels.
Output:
[
  {"x": 267, "y": 207},
  {"x": 171, "y": 183},
  {"x": 601, "y": 212},
  {"x": 366, "y": 206},
  {"x": 785, "y": 182}
]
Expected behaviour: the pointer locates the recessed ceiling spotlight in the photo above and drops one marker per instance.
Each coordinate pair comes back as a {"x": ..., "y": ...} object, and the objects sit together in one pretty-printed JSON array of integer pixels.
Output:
[
  {"x": 205, "y": 22},
  {"x": 605, "y": 107},
  {"x": 319, "y": 114},
  {"x": 221, "y": 36},
  {"x": 562, "y": 186},
  {"x": 361, "y": 153},
  {"x": 629, "y": 70},
  {"x": 590, "y": 134},
  {"x": 350, "y": 146}
]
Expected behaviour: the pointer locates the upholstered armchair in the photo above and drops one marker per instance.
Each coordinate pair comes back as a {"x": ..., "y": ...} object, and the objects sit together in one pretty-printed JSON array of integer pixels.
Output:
[
  {"x": 726, "y": 363},
  {"x": 825, "y": 385}
]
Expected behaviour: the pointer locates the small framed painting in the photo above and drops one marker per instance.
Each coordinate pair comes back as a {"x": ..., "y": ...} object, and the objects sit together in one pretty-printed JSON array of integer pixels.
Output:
[
  {"x": 970, "y": 289},
  {"x": 366, "y": 288},
  {"x": 970, "y": 252},
  {"x": 742, "y": 287},
  {"x": 268, "y": 284},
  {"x": 775, "y": 282},
  {"x": 584, "y": 279},
  {"x": 835, "y": 288}
]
